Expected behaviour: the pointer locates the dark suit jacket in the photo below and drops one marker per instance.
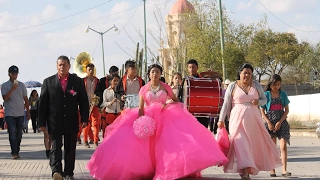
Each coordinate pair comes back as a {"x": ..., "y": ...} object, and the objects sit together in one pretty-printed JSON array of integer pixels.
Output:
[
  {"x": 101, "y": 87},
  {"x": 58, "y": 110}
]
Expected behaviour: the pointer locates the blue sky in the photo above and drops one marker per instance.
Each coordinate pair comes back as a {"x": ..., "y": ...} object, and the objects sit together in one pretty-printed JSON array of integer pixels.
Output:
[{"x": 35, "y": 49}]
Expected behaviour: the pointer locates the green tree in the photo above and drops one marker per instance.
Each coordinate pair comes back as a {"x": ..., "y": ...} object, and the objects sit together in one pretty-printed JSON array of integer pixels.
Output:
[
  {"x": 309, "y": 61},
  {"x": 272, "y": 52},
  {"x": 203, "y": 38},
  {"x": 285, "y": 51},
  {"x": 295, "y": 74},
  {"x": 258, "y": 52}
]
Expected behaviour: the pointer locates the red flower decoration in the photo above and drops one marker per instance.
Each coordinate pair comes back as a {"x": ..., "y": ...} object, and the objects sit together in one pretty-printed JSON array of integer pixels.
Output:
[{"x": 72, "y": 92}]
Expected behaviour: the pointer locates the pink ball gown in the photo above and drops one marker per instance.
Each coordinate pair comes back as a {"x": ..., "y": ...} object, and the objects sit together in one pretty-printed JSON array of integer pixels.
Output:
[
  {"x": 178, "y": 147},
  {"x": 250, "y": 143}
]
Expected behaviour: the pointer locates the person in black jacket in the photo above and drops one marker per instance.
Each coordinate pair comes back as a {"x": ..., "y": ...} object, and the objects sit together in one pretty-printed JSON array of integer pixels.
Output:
[
  {"x": 61, "y": 95},
  {"x": 104, "y": 82}
]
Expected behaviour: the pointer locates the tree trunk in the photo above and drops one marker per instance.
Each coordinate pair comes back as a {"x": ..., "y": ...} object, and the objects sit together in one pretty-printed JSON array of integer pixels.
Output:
[
  {"x": 296, "y": 88},
  {"x": 259, "y": 79}
]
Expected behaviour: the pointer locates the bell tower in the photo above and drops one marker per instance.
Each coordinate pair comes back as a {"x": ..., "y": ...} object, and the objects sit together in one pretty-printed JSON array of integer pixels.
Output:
[{"x": 173, "y": 54}]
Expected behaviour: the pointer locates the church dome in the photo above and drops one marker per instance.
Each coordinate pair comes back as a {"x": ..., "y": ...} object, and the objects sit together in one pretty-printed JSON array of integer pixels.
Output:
[{"x": 181, "y": 6}]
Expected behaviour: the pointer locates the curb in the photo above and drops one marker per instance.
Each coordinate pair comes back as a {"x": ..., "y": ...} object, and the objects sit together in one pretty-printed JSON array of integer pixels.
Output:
[{"x": 303, "y": 134}]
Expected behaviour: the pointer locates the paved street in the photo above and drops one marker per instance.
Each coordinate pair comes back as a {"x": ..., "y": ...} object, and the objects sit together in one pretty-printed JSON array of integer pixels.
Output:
[{"x": 304, "y": 160}]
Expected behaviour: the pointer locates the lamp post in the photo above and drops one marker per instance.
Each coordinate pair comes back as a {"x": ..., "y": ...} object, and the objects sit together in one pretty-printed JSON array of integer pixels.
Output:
[
  {"x": 222, "y": 40},
  {"x": 145, "y": 40},
  {"x": 101, "y": 34}
]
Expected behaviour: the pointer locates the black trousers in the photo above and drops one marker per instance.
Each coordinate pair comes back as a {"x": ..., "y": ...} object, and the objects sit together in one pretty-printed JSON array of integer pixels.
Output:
[
  {"x": 2, "y": 123},
  {"x": 214, "y": 125},
  {"x": 34, "y": 115},
  {"x": 204, "y": 121},
  {"x": 70, "y": 141}
]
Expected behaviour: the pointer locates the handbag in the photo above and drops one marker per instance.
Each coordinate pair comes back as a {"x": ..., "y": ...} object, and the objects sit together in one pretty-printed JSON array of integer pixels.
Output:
[{"x": 222, "y": 139}]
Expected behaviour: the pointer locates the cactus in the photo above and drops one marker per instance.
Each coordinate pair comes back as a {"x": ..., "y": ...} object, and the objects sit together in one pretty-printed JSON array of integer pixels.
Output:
[
  {"x": 137, "y": 60},
  {"x": 137, "y": 54},
  {"x": 122, "y": 70},
  {"x": 140, "y": 62}
]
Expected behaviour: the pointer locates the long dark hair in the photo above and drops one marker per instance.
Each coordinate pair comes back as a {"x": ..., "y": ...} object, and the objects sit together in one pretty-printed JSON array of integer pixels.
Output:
[
  {"x": 155, "y": 66},
  {"x": 32, "y": 93},
  {"x": 245, "y": 65},
  {"x": 275, "y": 78}
]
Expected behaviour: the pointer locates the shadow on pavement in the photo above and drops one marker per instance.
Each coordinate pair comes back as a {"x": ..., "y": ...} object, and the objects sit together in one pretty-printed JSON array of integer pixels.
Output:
[
  {"x": 81, "y": 154},
  {"x": 304, "y": 159}
]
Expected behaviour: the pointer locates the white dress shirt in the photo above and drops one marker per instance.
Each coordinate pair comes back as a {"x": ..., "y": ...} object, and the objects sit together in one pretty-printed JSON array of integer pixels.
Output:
[{"x": 108, "y": 96}]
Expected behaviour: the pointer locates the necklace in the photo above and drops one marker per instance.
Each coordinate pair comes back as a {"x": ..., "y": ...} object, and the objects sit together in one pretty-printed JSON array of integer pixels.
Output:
[
  {"x": 156, "y": 89},
  {"x": 274, "y": 94},
  {"x": 245, "y": 89}
]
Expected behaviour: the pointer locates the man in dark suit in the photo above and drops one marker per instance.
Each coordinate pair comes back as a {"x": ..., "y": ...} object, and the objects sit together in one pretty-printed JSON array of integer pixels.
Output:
[{"x": 61, "y": 96}]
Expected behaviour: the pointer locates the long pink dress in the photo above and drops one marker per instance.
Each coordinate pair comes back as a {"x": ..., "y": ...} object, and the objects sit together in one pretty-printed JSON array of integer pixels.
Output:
[
  {"x": 250, "y": 143},
  {"x": 179, "y": 147}
]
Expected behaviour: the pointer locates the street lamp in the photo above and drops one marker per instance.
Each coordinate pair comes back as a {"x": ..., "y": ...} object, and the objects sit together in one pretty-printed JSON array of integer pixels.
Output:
[
  {"x": 145, "y": 40},
  {"x": 70, "y": 58},
  {"x": 222, "y": 41},
  {"x": 101, "y": 34}
]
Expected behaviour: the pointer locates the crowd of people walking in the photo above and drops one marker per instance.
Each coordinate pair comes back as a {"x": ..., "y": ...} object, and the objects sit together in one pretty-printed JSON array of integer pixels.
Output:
[{"x": 154, "y": 136}]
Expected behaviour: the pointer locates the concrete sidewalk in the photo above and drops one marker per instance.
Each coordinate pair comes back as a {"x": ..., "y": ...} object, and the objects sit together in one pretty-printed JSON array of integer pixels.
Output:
[{"x": 303, "y": 163}]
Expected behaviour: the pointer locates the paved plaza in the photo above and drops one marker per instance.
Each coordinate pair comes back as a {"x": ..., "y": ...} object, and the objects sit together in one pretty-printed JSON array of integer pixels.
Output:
[{"x": 303, "y": 163}]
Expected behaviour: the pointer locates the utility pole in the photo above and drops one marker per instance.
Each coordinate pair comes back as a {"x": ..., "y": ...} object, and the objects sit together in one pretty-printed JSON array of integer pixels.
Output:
[
  {"x": 145, "y": 41},
  {"x": 222, "y": 41}
]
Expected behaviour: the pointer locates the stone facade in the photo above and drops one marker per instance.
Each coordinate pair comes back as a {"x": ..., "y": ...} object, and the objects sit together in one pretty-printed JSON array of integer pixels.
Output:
[{"x": 172, "y": 50}]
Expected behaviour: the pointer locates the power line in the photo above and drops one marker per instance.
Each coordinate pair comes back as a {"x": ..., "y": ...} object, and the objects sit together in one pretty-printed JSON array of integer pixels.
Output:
[
  {"x": 125, "y": 31},
  {"x": 285, "y": 22},
  {"x": 124, "y": 50},
  {"x": 96, "y": 46},
  {"x": 167, "y": 1},
  {"x": 132, "y": 16},
  {"x": 41, "y": 32},
  {"x": 66, "y": 17}
]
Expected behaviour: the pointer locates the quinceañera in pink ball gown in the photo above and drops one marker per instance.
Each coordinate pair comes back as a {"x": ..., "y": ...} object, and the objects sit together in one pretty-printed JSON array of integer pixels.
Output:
[{"x": 166, "y": 143}]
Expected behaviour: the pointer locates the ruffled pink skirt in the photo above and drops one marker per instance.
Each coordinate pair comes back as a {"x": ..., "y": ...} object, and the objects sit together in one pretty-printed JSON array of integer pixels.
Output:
[{"x": 179, "y": 146}]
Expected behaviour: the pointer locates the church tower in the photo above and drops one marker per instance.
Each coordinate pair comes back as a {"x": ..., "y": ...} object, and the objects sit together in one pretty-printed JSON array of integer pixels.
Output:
[{"x": 173, "y": 54}]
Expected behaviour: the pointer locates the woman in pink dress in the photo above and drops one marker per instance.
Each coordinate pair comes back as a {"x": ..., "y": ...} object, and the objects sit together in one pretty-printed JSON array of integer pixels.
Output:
[
  {"x": 251, "y": 149},
  {"x": 156, "y": 140}
]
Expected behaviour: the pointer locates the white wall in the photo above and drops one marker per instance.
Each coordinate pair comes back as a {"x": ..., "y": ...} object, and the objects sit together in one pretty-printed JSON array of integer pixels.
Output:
[{"x": 304, "y": 107}]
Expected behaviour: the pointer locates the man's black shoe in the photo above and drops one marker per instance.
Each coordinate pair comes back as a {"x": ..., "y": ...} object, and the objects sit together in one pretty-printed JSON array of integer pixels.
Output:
[{"x": 48, "y": 153}]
